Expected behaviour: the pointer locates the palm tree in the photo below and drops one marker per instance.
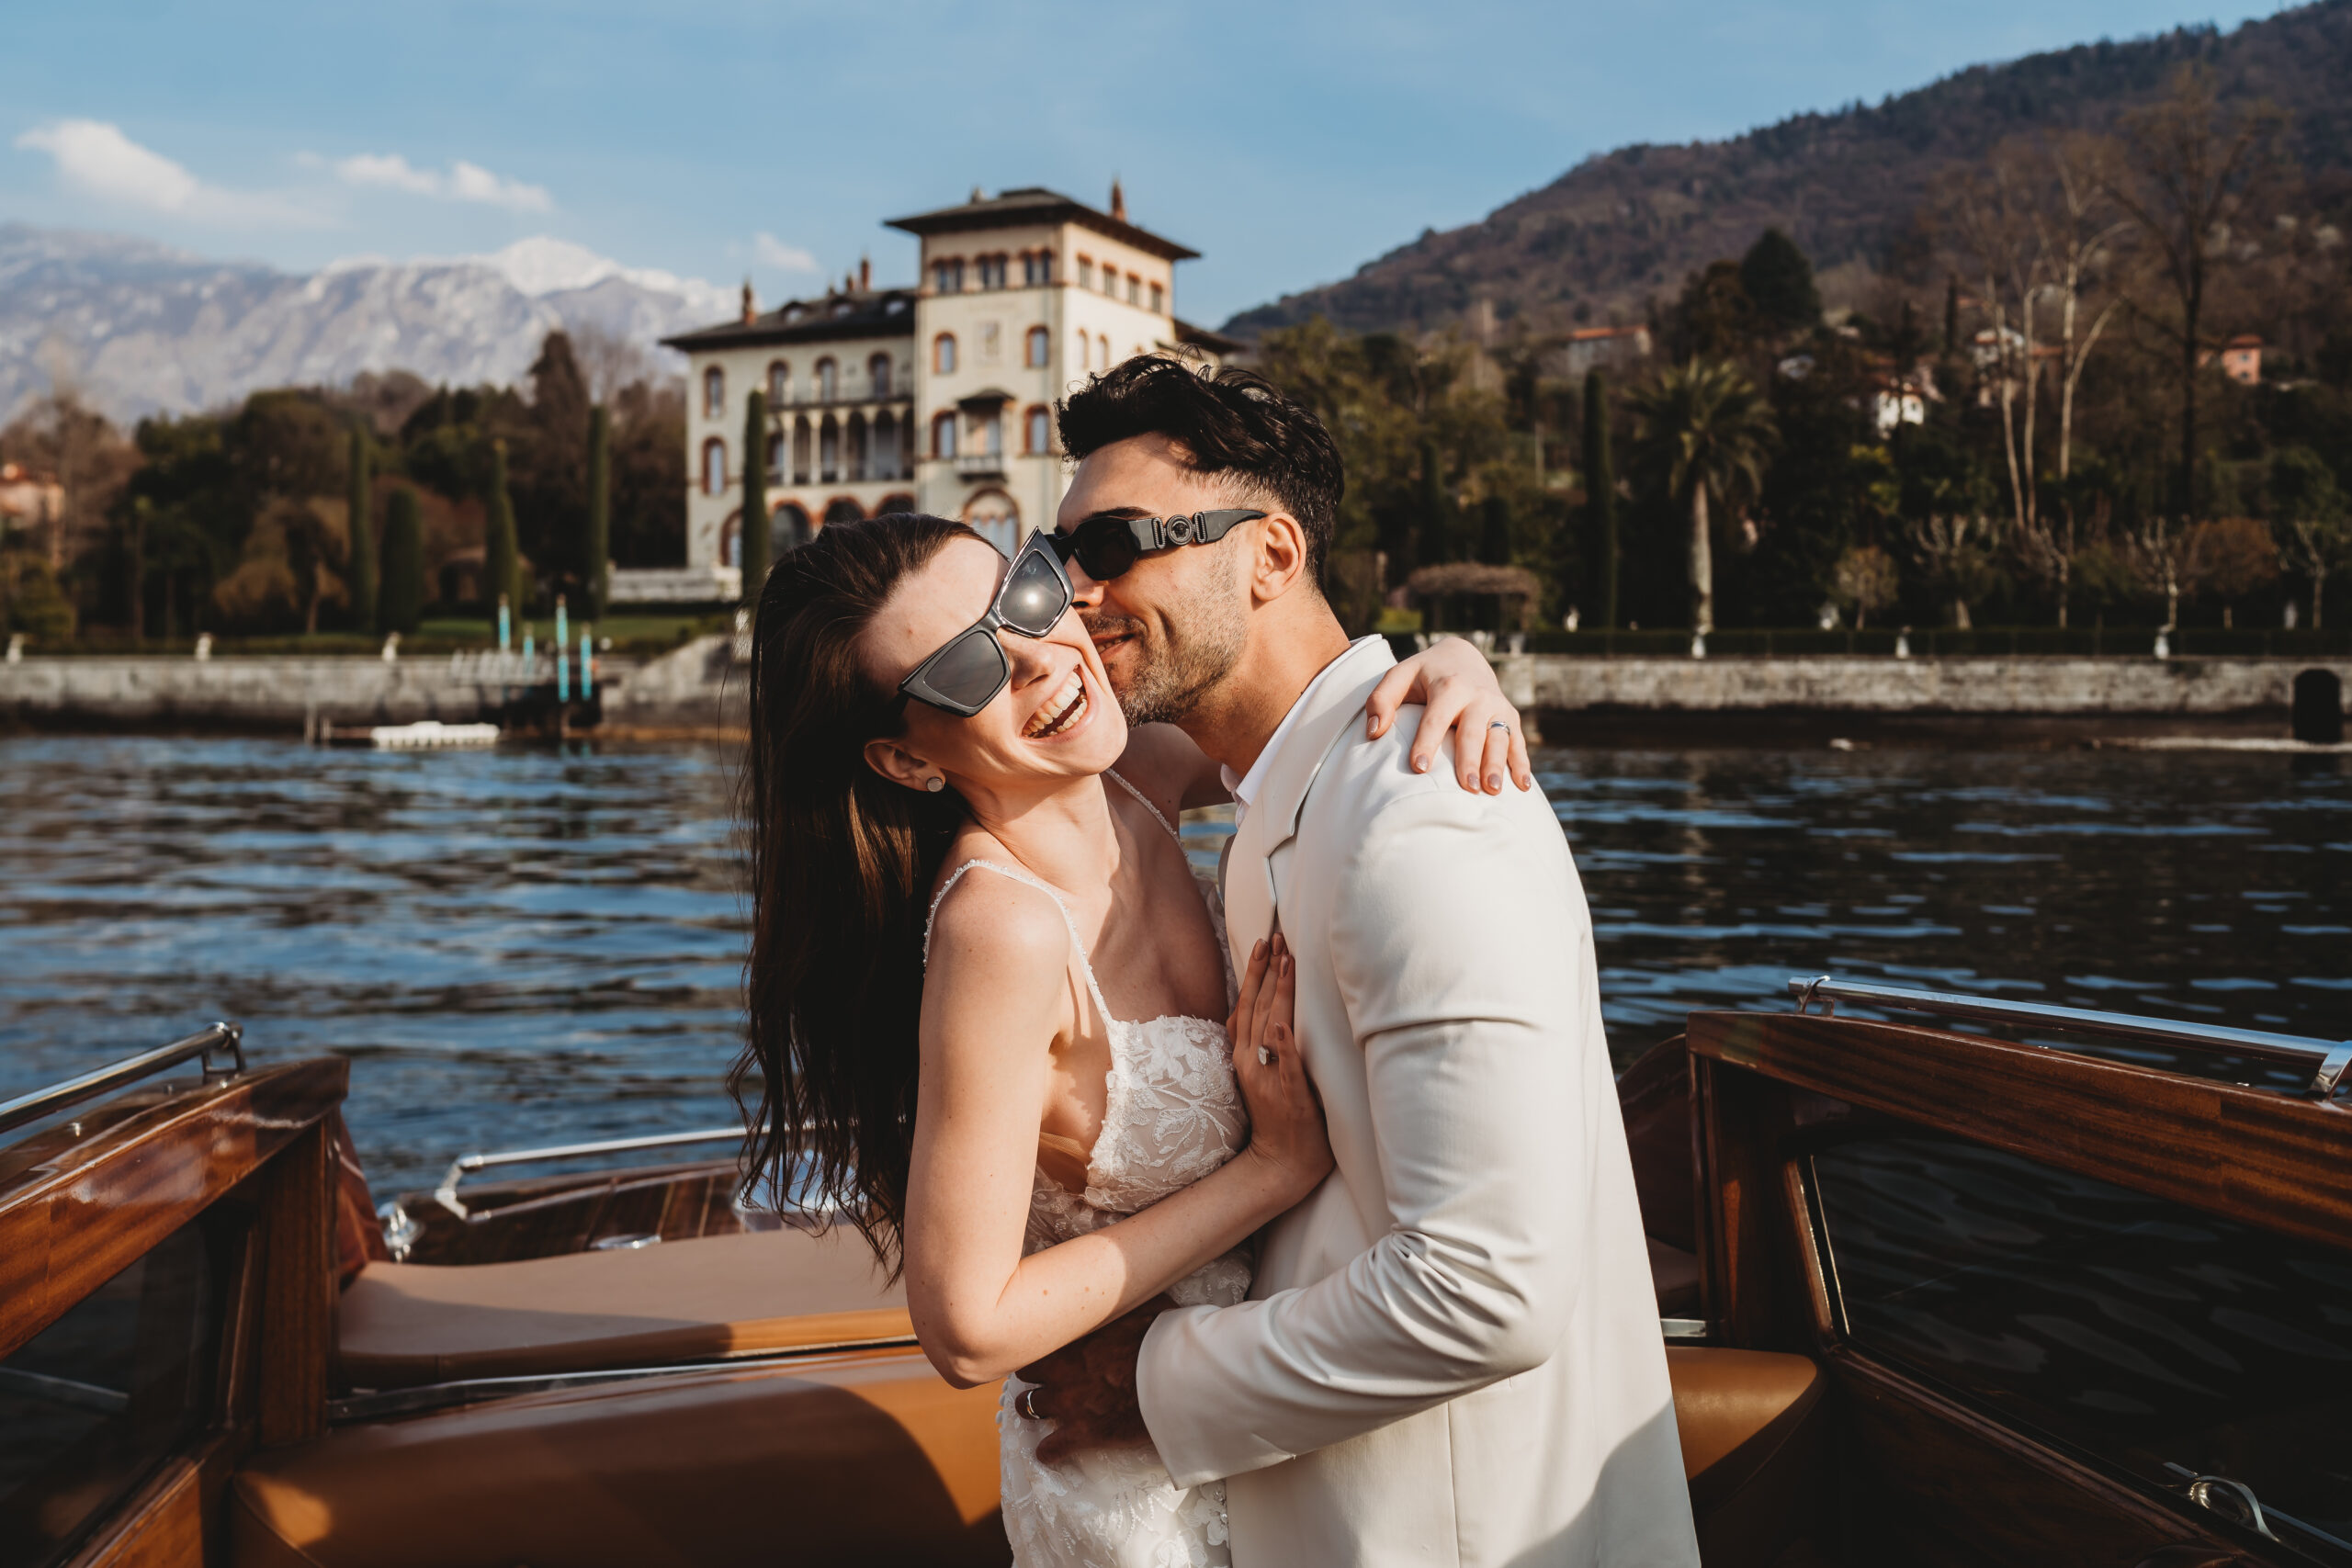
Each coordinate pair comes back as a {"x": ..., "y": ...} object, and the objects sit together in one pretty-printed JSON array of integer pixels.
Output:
[{"x": 1705, "y": 428}]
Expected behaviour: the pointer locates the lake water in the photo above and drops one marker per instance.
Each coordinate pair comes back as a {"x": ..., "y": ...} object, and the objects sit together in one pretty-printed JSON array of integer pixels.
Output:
[{"x": 518, "y": 947}]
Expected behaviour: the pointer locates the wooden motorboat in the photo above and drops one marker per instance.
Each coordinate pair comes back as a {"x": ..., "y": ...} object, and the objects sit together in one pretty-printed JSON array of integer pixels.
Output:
[{"x": 1929, "y": 1297}]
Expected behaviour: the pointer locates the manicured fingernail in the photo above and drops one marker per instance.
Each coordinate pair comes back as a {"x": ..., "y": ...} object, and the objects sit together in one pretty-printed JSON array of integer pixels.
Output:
[
  {"x": 1495, "y": 782},
  {"x": 1421, "y": 764}
]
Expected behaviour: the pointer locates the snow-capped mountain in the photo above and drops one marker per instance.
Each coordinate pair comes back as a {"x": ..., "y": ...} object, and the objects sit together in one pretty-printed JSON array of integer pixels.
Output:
[{"x": 139, "y": 328}]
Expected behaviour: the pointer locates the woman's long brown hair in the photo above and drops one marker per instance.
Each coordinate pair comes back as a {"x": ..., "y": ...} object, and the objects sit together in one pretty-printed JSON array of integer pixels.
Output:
[{"x": 842, "y": 861}]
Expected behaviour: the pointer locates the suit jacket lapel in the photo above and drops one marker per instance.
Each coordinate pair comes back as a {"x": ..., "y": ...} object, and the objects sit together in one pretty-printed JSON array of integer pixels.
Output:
[{"x": 1250, "y": 897}]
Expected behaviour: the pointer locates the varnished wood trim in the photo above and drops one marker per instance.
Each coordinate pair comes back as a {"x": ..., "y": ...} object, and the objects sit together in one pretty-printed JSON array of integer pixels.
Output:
[
  {"x": 161, "y": 1526},
  {"x": 2029, "y": 1535},
  {"x": 298, "y": 1291},
  {"x": 2269, "y": 1160},
  {"x": 83, "y": 1215},
  {"x": 1812, "y": 1265}
]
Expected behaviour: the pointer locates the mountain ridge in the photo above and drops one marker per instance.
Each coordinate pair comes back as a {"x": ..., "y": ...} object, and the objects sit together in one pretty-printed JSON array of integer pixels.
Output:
[
  {"x": 1623, "y": 226},
  {"x": 138, "y": 328}
]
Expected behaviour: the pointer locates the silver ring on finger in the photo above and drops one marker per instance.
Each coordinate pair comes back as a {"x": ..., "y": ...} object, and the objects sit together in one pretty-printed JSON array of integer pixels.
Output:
[
  {"x": 1498, "y": 724},
  {"x": 1028, "y": 1405},
  {"x": 1265, "y": 1055}
]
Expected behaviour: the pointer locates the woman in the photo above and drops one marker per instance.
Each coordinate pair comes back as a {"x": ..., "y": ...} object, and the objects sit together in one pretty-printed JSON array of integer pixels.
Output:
[{"x": 991, "y": 1016}]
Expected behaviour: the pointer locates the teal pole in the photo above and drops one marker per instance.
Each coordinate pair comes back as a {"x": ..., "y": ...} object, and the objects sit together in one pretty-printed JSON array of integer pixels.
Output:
[
  {"x": 587, "y": 672},
  {"x": 563, "y": 637},
  {"x": 527, "y": 649},
  {"x": 505, "y": 641},
  {"x": 563, "y": 674}
]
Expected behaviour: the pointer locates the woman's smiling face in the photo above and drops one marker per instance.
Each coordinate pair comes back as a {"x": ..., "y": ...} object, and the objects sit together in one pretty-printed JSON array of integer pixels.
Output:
[{"x": 1054, "y": 719}]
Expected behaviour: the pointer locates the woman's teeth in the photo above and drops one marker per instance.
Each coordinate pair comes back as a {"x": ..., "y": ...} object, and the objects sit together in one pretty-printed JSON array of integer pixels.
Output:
[{"x": 1058, "y": 712}]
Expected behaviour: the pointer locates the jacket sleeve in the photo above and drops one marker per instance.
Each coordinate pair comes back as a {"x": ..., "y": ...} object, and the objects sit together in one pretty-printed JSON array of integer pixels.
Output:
[{"x": 1461, "y": 952}]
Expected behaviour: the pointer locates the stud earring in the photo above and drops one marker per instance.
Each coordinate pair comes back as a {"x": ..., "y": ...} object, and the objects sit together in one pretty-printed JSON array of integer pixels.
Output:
[{"x": 934, "y": 784}]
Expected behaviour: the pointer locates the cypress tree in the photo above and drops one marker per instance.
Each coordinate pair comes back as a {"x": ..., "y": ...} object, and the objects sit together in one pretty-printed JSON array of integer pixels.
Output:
[
  {"x": 402, "y": 602},
  {"x": 1601, "y": 489},
  {"x": 753, "y": 553},
  {"x": 363, "y": 538},
  {"x": 501, "y": 570},
  {"x": 596, "y": 573},
  {"x": 1779, "y": 281}
]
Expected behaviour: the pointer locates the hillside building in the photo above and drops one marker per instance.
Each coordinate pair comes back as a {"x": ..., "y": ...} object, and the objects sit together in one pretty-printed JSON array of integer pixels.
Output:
[{"x": 933, "y": 397}]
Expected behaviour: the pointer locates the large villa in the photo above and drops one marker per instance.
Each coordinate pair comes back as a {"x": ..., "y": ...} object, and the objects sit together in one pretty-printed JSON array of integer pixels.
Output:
[{"x": 934, "y": 398}]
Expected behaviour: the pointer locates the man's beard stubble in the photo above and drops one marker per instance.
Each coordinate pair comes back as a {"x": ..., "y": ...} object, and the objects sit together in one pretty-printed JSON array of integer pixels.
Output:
[{"x": 1170, "y": 674}]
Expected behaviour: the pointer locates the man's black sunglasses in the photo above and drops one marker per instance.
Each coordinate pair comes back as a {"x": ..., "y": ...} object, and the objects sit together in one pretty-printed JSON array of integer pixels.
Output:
[
  {"x": 1107, "y": 547},
  {"x": 969, "y": 669}
]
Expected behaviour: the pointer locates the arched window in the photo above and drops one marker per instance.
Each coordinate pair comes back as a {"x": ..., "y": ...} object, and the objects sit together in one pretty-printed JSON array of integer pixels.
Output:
[
  {"x": 992, "y": 272},
  {"x": 1103, "y": 344},
  {"x": 788, "y": 531},
  {"x": 776, "y": 459},
  {"x": 714, "y": 392},
  {"x": 1039, "y": 430},
  {"x": 1038, "y": 268},
  {"x": 714, "y": 465},
  {"x": 997, "y": 519},
  {"x": 947, "y": 276},
  {"x": 943, "y": 355},
  {"x": 1085, "y": 351},
  {"x": 897, "y": 501},
  {"x": 1135, "y": 290},
  {"x": 884, "y": 464},
  {"x": 1086, "y": 271},
  {"x": 730, "y": 541},
  {"x": 1040, "y": 343},
  {"x": 842, "y": 509},
  {"x": 1158, "y": 300},
  {"x": 779, "y": 383},
  {"x": 828, "y": 451},
  {"x": 800, "y": 449},
  {"x": 877, "y": 374},
  {"x": 828, "y": 380},
  {"x": 943, "y": 436}
]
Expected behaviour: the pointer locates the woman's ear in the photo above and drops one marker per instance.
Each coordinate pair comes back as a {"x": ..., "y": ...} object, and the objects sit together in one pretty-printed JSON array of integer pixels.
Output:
[{"x": 898, "y": 765}]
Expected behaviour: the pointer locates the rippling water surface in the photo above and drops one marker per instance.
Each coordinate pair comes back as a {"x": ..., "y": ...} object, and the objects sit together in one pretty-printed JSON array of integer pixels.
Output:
[{"x": 519, "y": 946}]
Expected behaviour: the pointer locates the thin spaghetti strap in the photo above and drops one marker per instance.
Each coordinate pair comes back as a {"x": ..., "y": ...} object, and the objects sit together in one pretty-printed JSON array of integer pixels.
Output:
[
  {"x": 1148, "y": 806},
  {"x": 1078, "y": 944}
]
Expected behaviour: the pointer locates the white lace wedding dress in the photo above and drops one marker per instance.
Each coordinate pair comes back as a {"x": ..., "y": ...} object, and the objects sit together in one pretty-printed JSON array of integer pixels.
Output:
[{"x": 1172, "y": 1114}]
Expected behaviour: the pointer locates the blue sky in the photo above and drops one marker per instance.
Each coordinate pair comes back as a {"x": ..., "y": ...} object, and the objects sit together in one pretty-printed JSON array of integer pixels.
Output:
[{"x": 1288, "y": 142}]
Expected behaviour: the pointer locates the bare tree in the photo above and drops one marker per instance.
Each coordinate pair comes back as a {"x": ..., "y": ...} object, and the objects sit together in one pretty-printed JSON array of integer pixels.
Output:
[
  {"x": 2189, "y": 166},
  {"x": 607, "y": 361}
]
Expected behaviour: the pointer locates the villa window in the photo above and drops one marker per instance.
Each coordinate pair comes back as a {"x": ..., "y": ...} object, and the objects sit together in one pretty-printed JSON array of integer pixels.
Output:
[
  {"x": 828, "y": 380},
  {"x": 1158, "y": 300},
  {"x": 1110, "y": 280},
  {"x": 714, "y": 465},
  {"x": 943, "y": 436},
  {"x": 779, "y": 383},
  {"x": 947, "y": 276},
  {"x": 776, "y": 459},
  {"x": 1085, "y": 273},
  {"x": 992, "y": 272},
  {"x": 1038, "y": 268},
  {"x": 1039, "y": 432},
  {"x": 714, "y": 392},
  {"x": 877, "y": 374},
  {"x": 1040, "y": 344},
  {"x": 829, "y": 452},
  {"x": 943, "y": 355},
  {"x": 991, "y": 434},
  {"x": 1135, "y": 290},
  {"x": 1104, "y": 344}
]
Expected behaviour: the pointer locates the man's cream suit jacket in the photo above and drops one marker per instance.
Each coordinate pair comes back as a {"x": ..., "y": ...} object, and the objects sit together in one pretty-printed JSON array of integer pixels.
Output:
[{"x": 1451, "y": 1354}]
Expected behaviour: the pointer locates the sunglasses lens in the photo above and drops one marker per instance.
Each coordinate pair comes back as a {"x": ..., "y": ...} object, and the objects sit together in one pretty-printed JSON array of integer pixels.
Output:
[
  {"x": 1035, "y": 596},
  {"x": 967, "y": 670},
  {"x": 1106, "y": 549}
]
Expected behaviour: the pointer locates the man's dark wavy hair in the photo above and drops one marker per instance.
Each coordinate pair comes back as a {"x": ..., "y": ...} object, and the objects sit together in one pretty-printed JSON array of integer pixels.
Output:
[{"x": 1233, "y": 425}]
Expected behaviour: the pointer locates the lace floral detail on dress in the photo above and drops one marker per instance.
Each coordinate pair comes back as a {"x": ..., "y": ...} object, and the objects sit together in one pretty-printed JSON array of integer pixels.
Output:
[{"x": 1172, "y": 1113}]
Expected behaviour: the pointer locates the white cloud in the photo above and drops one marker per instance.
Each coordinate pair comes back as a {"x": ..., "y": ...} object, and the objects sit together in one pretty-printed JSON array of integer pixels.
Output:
[
  {"x": 464, "y": 181},
  {"x": 95, "y": 158},
  {"x": 769, "y": 250}
]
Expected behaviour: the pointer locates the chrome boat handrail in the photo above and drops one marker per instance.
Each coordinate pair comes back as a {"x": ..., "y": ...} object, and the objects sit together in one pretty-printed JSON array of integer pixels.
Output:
[
  {"x": 464, "y": 1165},
  {"x": 2326, "y": 1060},
  {"x": 204, "y": 1042}
]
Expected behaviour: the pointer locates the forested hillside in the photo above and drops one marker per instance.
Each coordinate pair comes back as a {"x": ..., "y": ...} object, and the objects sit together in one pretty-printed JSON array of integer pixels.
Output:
[{"x": 1600, "y": 243}]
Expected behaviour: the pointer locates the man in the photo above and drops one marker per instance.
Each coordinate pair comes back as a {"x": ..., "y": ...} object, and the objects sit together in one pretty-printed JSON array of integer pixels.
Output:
[{"x": 1451, "y": 1351}]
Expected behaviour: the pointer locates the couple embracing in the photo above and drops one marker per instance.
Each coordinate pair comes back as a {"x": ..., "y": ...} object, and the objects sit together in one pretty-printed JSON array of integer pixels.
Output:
[{"x": 1294, "y": 1212}]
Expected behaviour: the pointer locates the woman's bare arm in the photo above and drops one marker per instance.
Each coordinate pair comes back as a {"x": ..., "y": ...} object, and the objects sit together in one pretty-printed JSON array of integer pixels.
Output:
[{"x": 996, "y": 996}]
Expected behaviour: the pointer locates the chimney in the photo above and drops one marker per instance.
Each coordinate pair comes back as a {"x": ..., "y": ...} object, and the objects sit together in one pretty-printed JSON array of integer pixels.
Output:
[
  {"x": 750, "y": 310},
  {"x": 1118, "y": 200},
  {"x": 865, "y": 275}
]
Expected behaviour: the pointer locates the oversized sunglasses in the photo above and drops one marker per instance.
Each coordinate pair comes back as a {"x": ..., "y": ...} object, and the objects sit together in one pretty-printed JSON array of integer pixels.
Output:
[
  {"x": 969, "y": 669},
  {"x": 1106, "y": 547}
]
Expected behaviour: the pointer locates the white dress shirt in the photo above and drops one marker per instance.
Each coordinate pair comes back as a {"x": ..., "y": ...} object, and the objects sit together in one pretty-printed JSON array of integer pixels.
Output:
[{"x": 1245, "y": 787}]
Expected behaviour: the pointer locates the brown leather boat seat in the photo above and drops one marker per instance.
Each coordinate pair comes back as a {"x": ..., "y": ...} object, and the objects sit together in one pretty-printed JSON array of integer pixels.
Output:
[
  {"x": 402, "y": 1325},
  {"x": 865, "y": 1458},
  {"x": 1753, "y": 1434}
]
